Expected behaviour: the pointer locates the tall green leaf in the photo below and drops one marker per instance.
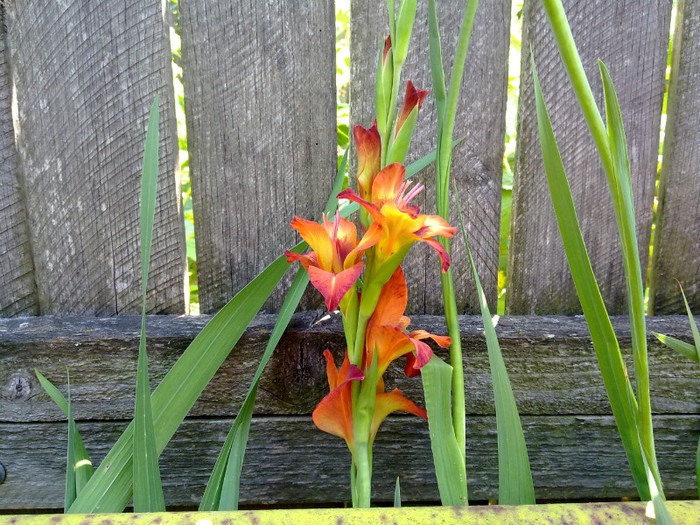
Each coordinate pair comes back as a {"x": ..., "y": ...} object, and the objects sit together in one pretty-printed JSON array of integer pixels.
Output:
[
  {"x": 449, "y": 469},
  {"x": 82, "y": 463},
  {"x": 223, "y": 488},
  {"x": 605, "y": 343},
  {"x": 620, "y": 181},
  {"x": 148, "y": 490},
  {"x": 70, "y": 490},
  {"x": 514, "y": 476}
]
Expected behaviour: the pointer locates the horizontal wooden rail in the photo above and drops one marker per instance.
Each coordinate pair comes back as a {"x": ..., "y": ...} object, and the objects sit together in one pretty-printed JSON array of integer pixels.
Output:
[{"x": 572, "y": 438}]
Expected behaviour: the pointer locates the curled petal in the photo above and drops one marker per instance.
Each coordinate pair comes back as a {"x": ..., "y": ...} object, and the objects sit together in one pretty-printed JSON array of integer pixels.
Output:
[
  {"x": 306, "y": 260},
  {"x": 423, "y": 353},
  {"x": 385, "y": 404},
  {"x": 411, "y": 370},
  {"x": 443, "y": 341},
  {"x": 442, "y": 253},
  {"x": 434, "y": 225},
  {"x": 333, "y": 286}
]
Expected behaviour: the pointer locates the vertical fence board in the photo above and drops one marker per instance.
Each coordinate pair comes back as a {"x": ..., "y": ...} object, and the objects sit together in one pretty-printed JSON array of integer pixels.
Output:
[
  {"x": 632, "y": 39},
  {"x": 16, "y": 268},
  {"x": 260, "y": 96},
  {"x": 677, "y": 239},
  {"x": 86, "y": 75},
  {"x": 477, "y": 163}
]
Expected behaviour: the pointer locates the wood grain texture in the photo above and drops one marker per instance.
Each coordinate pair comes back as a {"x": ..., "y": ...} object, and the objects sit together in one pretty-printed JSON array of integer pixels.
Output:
[
  {"x": 19, "y": 295},
  {"x": 677, "y": 238},
  {"x": 550, "y": 360},
  {"x": 259, "y": 83},
  {"x": 631, "y": 38},
  {"x": 477, "y": 163},
  {"x": 86, "y": 75},
  {"x": 290, "y": 462}
]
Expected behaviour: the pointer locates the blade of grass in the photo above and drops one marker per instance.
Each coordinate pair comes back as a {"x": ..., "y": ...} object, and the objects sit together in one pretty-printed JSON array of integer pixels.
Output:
[
  {"x": 83, "y": 465},
  {"x": 605, "y": 343},
  {"x": 223, "y": 488},
  {"x": 624, "y": 211},
  {"x": 148, "y": 490},
  {"x": 397, "y": 494},
  {"x": 679, "y": 346},
  {"x": 693, "y": 326},
  {"x": 110, "y": 488},
  {"x": 514, "y": 476},
  {"x": 70, "y": 488}
]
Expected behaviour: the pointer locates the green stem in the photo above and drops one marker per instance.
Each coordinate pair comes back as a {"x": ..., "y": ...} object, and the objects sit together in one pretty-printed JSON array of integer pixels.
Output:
[
  {"x": 635, "y": 288},
  {"x": 452, "y": 320}
]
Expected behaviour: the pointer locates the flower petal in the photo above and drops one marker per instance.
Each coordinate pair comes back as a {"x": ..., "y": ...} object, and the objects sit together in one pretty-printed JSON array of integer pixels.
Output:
[
  {"x": 334, "y": 413},
  {"x": 385, "y": 404},
  {"x": 333, "y": 286},
  {"x": 316, "y": 236},
  {"x": 392, "y": 301}
]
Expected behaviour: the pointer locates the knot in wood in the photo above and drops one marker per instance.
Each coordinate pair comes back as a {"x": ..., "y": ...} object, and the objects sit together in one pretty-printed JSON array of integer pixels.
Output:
[{"x": 19, "y": 388}]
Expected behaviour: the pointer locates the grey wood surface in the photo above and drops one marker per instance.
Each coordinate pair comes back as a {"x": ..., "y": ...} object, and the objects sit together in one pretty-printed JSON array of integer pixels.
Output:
[
  {"x": 19, "y": 295},
  {"x": 290, "y": 462},
  {"x": 85, "y": 76},
  {"x": 259, "y": 83},
  {"x": 477, "y": 164},
  {"x": 677, "y": 242},
  {"x": 550, "y": 360},
  {"x": 632, "y": 41}
]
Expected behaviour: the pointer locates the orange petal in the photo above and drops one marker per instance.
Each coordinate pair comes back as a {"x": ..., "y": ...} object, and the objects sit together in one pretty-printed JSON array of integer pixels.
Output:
[
  {"x": 390, "y": 343},
  {"x": 333, "y": 286},
  {"x": 392, "y": 301},
  {"x": 369, "y": 154},
  {"x": 387, "y": 183},
  {"x": 410, "y": 369},
  {"x": 334, "y": 413},
  {"x": 385, "y": 404},
  {"x": 317, "y": 238},
  {"x": 442, "y": 253},
  {"x": 331, "y": 370},
  {"x": 443, "y": 341}
]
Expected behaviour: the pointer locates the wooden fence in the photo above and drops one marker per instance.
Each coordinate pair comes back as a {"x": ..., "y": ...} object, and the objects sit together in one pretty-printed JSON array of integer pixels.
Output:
[{"x": 76, "y": 82}]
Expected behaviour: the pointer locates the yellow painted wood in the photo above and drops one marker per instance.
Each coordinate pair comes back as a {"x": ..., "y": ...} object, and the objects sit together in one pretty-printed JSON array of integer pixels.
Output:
[{"x": 631, "y": 513}]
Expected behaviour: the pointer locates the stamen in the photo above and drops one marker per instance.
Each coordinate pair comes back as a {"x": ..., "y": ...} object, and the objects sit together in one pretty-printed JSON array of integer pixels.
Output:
[
  {"x": 336, "y": 223},
  {"x": 412, "y": 194}
]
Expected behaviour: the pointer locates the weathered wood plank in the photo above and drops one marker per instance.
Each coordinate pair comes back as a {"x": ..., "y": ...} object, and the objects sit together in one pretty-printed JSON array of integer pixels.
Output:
[
  {"x": 259, "y": 83},
  {"x": 289, "y": 461},
  {"x": 551, "y": 363},
  {"x": 677, "y": 238},
  {"x": 633, "y": 44},
  {"x": 477, "y": 164},
  {"x": 85, "y": 77},
  {"x": 19, "y": 295}
]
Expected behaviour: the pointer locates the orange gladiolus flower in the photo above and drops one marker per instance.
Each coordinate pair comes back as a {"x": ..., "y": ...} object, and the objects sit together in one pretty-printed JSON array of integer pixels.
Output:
[
  {"x": 334, "y": 413},
  {"x": 334, "y": 264},
  {"x": 401, "y": 223}
]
